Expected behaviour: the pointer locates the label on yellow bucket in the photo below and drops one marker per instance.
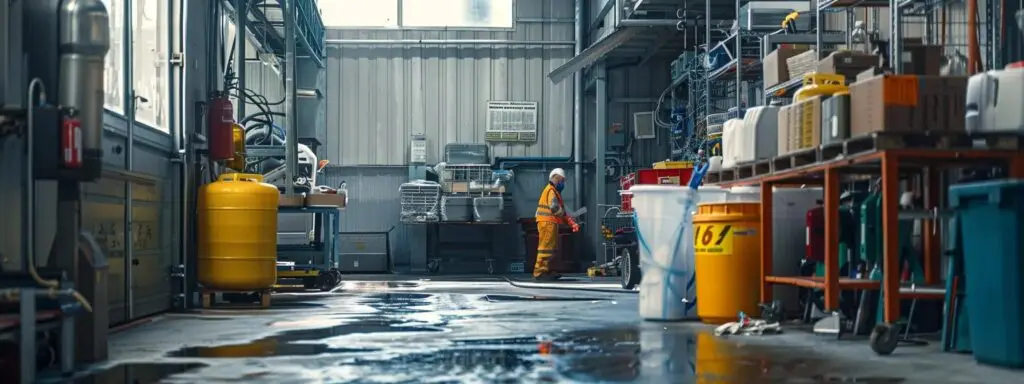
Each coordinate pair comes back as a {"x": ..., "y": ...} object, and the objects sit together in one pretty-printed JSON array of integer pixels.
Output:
[{"x": 713, "y": 238}]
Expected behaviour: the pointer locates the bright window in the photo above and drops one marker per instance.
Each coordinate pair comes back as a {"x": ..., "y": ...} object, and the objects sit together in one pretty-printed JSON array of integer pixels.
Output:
[
  {"x": 113, "y": 75},
  {"x": 458, "y": 13},
  {"x": 359, "y": 13},
  {"x": 150, "y": 35}
]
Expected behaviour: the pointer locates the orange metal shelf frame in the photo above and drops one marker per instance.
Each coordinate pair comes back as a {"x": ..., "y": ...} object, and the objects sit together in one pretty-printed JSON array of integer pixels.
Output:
[{"x": 889, "y": 163}]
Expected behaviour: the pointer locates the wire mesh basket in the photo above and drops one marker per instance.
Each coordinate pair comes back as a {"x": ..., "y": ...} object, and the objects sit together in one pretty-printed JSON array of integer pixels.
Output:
[
  {"x": 611, "y": 225},
  {"x": 467, "y": 172},
  {"x": 420, "y": 201}
]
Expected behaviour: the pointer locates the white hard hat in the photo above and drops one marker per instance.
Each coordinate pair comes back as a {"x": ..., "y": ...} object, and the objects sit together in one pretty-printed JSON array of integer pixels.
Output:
[{"x": 557, "y": 171}]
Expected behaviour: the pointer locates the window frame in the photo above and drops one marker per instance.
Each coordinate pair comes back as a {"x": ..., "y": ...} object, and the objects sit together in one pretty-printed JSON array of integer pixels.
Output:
[{"x": 400, "y": 25}]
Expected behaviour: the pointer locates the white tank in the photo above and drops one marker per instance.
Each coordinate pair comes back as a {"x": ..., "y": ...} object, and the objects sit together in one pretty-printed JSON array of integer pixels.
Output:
[
  {"x": 731, "y": 151},
  {"x": 994, "y": 102},
  {"x": 758, "y": 137}
]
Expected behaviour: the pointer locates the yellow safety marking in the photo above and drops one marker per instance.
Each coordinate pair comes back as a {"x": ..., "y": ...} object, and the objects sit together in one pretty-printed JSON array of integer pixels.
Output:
[{"x": 713, "y": 239}]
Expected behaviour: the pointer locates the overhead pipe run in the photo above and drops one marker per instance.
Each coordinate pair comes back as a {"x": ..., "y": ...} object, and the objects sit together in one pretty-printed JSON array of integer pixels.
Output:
[
  {"x": 577, "y": 106},
  {"x": 290, "y": 107}
]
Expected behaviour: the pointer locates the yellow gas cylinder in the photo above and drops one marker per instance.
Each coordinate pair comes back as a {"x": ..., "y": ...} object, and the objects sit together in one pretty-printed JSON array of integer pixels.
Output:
[
  {"x": 237, "y": 233},
  {"x": 728, "y": 260},
  {"x": 818, "y": 84}
]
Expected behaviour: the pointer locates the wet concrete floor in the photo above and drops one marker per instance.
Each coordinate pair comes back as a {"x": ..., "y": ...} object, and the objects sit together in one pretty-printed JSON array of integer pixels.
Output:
[{"x": 452, "y": 332}]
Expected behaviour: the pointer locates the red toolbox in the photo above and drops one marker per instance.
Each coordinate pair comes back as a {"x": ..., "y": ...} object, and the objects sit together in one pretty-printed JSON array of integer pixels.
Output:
[{"x": 673, "y": 176}]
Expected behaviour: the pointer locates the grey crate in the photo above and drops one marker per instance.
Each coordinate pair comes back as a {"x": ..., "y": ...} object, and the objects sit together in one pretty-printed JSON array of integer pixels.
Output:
[
  {"x": 463, "y": 153},
  {"x": 363, "y": 252},
  {"x": 457, "y": 208},
  {"x": 488, "y": 209}
]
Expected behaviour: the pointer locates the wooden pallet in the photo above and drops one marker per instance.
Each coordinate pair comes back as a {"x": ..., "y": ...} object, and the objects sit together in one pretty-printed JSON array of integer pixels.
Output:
[
  {"x": 795, "y": 159},
  {"x": 879, "y": 141},
  {"x": 209, "y": 298}
]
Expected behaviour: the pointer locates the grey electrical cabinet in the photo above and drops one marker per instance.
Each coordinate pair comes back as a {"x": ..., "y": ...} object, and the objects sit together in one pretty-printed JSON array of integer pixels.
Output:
[{"x": 364, "y": 252}]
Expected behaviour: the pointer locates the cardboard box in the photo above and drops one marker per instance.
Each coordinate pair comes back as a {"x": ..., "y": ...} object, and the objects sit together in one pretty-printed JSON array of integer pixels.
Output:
[
  {"x": 783, "y": 139},
  {"x": 847, "y": 63},
  {"x": 874, "y": 71},
  {"x": 922, "y": 59},
  {"x": 908, "y": 103},
  {"x": 802, "y": 64},
  {"x": 776, "y": 71},
  {"x": 807, "y": 123},
  {"x": 327, "y": 200}
]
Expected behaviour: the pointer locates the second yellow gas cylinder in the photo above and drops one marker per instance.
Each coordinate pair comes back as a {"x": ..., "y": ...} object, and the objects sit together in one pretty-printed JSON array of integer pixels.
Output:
[{"x": 728, "y": 260}]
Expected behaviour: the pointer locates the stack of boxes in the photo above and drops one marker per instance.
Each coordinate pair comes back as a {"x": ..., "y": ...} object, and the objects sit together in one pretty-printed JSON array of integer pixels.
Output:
[{"x": 920, "y": 101}]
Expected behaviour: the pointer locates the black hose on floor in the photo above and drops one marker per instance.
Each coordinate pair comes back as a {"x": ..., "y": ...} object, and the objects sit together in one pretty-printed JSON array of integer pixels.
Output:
[{"x": 541, "y": 286}]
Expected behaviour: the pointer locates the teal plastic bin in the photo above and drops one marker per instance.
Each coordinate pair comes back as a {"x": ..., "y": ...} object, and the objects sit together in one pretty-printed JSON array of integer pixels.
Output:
[{"x": 992, "y": 225}]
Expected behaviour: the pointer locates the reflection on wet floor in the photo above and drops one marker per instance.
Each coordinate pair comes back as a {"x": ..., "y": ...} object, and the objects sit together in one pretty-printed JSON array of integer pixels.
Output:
[
  {"x": 134, "y": 373},
  {"x": 500, "y": 298},
  {"x": 644, "y": 353}
]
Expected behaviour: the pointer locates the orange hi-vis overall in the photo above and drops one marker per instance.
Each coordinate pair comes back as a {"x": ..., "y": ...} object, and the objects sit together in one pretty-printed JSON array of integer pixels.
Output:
[{"x": 550, "y": 213}]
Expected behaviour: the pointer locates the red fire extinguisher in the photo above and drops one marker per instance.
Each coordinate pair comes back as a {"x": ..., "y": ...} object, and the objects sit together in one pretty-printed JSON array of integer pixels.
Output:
[
  {"x": 220, "y": 118},
  {"x": 71, "y": 142}
]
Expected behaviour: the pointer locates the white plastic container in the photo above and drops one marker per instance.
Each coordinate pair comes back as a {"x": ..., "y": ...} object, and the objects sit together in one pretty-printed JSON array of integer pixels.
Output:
[
  {"x": 731, "y": 137},
  {"x": 994, "y": 102},
  {"x": 758, "y": 136},
  {"x": 664, "y": 216}
]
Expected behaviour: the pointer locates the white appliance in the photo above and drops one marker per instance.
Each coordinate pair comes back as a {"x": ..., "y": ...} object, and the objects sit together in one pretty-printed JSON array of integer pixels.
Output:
[
  {"x": 994, "y": 102},
  {"x": 731, "y": 132},
  {"x": 758, "y": 137}
]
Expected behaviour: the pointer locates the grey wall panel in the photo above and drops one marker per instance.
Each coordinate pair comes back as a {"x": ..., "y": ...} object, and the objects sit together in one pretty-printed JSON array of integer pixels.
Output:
[{"x": 379, "y": 95}]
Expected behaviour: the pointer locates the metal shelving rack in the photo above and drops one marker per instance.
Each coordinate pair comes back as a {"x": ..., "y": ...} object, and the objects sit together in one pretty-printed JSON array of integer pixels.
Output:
[{"x": 894, "y": 164}]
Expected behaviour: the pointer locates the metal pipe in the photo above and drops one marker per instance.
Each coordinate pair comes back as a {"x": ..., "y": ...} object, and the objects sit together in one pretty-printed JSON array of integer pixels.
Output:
[
  {"x": 739, "y": 59},
  {"x": 617, "y": 14},
  {"x": 291, "y": 129},
  {"x": 28, "y": 182},
  {"x": 241, "y": 17},
  {"x": 577, "y": 109},
  {"x": 544, "y": 20},
  {"x": 601, "y": 125},
  {"x": 416, "y": 42},
  {"x": 130, "y": 111},
  {"x": 174, "y": 68}
]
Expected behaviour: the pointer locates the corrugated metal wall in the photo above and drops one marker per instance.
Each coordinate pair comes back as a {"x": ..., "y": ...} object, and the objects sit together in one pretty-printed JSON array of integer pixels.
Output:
[{"x": 377, "y": 96}]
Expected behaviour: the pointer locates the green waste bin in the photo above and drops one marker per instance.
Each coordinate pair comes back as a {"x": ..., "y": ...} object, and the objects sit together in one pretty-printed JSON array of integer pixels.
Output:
[{"x": 992, "y": 226}]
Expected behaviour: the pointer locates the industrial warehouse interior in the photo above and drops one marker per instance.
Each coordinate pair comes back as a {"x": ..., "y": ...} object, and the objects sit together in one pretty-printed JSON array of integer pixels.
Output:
[{"x": 506, "y": 191}]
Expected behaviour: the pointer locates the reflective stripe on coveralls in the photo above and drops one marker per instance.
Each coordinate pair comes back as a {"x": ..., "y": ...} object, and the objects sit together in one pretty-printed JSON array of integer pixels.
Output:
[{"x": 550, "y": 213}]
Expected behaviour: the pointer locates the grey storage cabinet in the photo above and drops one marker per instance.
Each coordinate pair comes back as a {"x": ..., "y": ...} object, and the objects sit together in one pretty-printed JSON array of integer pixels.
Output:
[{"x": 364, "y": 252}]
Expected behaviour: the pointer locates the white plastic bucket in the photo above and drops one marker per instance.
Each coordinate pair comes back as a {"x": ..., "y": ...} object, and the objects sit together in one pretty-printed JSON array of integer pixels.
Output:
[{"x": 664, "y": 216}]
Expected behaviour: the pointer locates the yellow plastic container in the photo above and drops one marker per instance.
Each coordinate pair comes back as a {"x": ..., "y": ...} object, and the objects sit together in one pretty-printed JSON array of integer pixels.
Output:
[
  {"x": 818, "y": 84},
  {"x": 728, "y": 260},
  {"x": 673, "y": 164},
  {"x": 237, "y": 234}
]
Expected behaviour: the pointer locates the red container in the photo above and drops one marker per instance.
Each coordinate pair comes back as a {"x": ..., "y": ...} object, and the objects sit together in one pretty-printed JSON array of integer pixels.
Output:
[
  {"x": 625, "y": 182},
  {"x": 220, "y": 118},
  {"x": 815, "y": 234},
  {"x": 674, "y": 176}
]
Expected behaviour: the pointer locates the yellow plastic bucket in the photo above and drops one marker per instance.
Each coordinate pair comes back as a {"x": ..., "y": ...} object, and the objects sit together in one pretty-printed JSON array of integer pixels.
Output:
[{"x": 728, "y": 260}]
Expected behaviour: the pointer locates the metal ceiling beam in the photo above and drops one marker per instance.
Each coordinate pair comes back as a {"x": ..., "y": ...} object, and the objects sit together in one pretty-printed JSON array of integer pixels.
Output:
[
  {"x": 601, "y": 15},
  {"x": 595, "y": 52}
]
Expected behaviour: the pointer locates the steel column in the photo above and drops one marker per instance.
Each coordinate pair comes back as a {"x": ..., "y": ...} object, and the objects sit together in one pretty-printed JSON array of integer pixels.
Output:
[
  {"x": 600, "y": 130},
  {"x": 831, "y": 239},
  {"x": 241, "y": 18},
  {"x": 291, "y": 110},
  {"x": 577, "y": 110}
]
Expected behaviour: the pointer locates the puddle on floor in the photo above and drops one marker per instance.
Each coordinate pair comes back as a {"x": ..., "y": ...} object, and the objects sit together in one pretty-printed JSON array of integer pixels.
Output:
[
  {"x": 501, "y": 298},
  {"x": 300, "y": 342},
  {"x": 397, "y": 303},
  {"x": 132, "y": 373}
]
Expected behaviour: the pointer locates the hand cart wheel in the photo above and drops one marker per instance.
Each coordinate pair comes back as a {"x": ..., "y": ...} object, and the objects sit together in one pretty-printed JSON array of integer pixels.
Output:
[
  {"x": 884, "y": 338},
  {"x": 629, "y": 269}
]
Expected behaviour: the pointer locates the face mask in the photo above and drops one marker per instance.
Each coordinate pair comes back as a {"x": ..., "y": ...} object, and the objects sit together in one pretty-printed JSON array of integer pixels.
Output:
[{"x": 560, "y": 186}]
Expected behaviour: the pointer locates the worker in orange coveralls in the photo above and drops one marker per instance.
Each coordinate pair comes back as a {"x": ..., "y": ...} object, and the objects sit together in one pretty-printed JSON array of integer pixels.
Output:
[{"x": 550, "y": 213}]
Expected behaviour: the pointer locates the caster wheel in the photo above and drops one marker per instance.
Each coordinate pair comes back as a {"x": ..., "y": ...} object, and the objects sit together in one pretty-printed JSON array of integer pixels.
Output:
[
  {"x": 630, "y": 269},
  {"x": 327, "y": 282},
  {"x": 884, "y": 339}
]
